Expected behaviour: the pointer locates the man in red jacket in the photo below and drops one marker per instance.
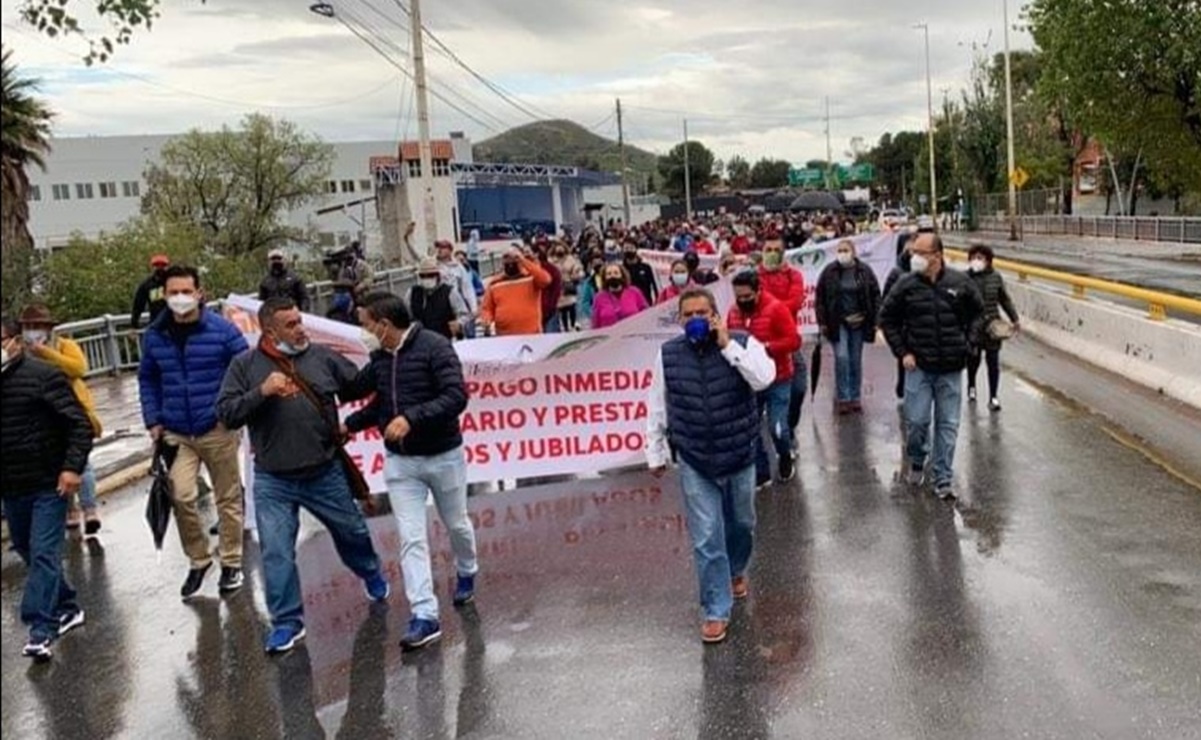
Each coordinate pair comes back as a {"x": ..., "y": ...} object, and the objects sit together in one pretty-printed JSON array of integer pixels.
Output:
[
  {"x": 786, "y": 284},
  {"x": 773, "y": 324}
]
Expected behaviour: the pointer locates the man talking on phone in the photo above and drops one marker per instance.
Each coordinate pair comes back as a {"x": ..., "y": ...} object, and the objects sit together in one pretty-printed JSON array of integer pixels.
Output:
[{"x": 706, "y": 380}]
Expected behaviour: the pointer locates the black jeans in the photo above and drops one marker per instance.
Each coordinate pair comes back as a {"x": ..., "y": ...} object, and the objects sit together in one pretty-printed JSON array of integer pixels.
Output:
[{"x": 993, "y": 358}]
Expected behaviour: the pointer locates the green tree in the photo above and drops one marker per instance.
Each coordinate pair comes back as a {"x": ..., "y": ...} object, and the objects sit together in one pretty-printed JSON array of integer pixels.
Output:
[
  {"x": 92, "y": 277},
  {"x": 738, "y": 172},
  {"x": 770, "y": 173},
  {"x": 237, "y": 184},
  {"x": 895, "y": 159},
  {"x": 700, "y": 169},
  {"x": 124, "y": 17},
  {"x": 26, "y": 133}
]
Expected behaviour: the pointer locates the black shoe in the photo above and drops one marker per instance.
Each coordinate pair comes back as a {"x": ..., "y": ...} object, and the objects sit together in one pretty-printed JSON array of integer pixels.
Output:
[
  {"x": 231, "y": 580},
  {"x": 194, "y": 581},
  {"x": 787, "y": 468}
]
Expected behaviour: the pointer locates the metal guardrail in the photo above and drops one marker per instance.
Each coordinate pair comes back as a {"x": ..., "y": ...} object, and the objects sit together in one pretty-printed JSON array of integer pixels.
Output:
[
  {"x": 1157, "y": 302},
  {"x": 1180, "y": 230},
  {"x": 111, "y": 345}
]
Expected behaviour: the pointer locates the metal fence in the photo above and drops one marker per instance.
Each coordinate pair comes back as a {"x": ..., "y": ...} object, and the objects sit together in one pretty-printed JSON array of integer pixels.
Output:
[
  {"x": 111, "y": 344},
  {"x": 1140, "y": 228}
]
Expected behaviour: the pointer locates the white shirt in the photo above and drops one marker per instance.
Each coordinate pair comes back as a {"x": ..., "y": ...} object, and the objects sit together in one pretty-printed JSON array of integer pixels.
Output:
[
  {"x": 455, "y": 275},
  {"x": 751, "y": 362}
]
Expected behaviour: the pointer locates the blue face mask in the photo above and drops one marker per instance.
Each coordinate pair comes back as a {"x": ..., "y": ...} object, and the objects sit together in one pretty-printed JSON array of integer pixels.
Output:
[
  {"x": 697, "y": 329},
  {"x": 286, "y": 348}
]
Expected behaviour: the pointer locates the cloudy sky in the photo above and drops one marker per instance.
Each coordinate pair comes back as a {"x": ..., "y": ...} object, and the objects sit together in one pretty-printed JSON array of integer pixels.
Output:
[{"x": 750, "y": 76}]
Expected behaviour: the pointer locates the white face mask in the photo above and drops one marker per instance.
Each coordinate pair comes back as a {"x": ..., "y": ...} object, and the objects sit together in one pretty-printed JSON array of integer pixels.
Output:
[
  {"x": 846, "y": 259},
  {"x": 919, "y": 263},
  {"x": 370, "y": 341},
  {"x": 978, "y": 265},
  {"x": 182, "y": 305},
  {"x": 679, "y": 279},
  {"x": 429, "y": 283},
  {"x": 35, "y": 336}
]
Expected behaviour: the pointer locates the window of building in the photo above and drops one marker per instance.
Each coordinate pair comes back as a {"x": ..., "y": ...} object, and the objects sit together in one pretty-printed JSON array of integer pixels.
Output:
[
  {"x": 108, "y": 190},
  {"x": 331, "y": 186},
  {"x": 365, "y": 186},
  {"x": 84, "y": 191},
  {"x": 441, "y": 168},
  {"x": 35, "y": 192},
  {"x": 414, "y": 167},
  {"x": 61, "y": 191},
  {"x": 348, "y": 186},
  {"x": 131, "y": 189}
]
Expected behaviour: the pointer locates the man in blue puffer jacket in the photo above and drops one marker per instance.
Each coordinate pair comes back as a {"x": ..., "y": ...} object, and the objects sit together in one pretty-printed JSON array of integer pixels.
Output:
[{"x": 185, "y": 354}]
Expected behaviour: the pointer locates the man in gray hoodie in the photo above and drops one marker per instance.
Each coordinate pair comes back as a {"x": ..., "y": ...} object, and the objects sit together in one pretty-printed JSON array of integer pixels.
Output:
[{"x": 286, "y": 391}]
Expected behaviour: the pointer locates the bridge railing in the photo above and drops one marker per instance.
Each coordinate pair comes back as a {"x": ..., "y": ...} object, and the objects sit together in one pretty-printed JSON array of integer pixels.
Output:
[
  {"x": 1158, "y": 303},
  {"x": 1182, "y": 230},
  {"x": 111, "y": 344}
]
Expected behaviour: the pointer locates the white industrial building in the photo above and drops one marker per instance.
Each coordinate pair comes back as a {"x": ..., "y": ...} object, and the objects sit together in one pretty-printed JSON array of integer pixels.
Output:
[{"x": 94, "y": 184}]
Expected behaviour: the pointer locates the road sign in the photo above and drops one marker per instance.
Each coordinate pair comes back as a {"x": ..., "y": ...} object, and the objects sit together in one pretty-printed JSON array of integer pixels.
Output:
[
  {"x": 863, "y": 172},
  {"x": 1019, "y": 177},
  {"x": 805, "y": 177}
]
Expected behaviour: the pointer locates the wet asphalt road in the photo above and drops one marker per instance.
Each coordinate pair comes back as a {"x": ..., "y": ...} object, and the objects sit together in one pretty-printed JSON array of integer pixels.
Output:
[{"x": 1059, "y": 598}]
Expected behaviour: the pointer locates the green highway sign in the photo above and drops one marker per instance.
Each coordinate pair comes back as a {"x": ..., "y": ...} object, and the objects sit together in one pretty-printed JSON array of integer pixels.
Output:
[
  {"x": 805, "y": 177},
  {"x": 839, "y": 175}
]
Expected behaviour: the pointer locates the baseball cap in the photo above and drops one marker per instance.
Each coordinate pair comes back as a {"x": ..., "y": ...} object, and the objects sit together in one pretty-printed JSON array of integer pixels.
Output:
[{"x": 160, "y": 260}]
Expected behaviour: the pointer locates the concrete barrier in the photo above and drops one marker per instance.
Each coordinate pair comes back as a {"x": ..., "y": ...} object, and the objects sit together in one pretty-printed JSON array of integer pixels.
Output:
[{"x": 1162, "y": 355}]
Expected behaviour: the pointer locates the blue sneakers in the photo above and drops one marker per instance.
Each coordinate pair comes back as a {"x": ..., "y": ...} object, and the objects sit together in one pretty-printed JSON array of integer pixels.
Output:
[
  {"x": 421, "y": 633},
  {"x": 283, "y": 639},
  {"x": 464, "y": 590},
  {"x": 377, "y": 587}
]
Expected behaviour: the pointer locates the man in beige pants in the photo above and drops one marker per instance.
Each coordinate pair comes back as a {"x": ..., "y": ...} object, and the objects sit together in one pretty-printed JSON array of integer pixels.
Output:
[{"x": 185, "y": 354}]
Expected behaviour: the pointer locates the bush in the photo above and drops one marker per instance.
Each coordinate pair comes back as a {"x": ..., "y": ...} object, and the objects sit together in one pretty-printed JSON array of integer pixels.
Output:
[{"x": 93, "y": 277}]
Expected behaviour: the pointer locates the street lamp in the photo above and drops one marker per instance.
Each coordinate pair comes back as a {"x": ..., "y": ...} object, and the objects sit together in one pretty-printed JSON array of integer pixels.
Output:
[
  {"x": 925, "y": 27},
  {"x": 1013, "y": 197}
]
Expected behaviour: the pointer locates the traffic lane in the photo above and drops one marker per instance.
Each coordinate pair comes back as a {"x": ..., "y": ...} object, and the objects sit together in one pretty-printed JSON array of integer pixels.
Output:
[{"x": 1059, "y": 598}]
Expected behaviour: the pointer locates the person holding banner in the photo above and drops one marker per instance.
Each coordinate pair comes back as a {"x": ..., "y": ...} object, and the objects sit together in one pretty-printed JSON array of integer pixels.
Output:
[
  {"x": 706, "y": 380},
  {"x": 785, "y": 283},
  {"x": 769, "y": 321},
  {"x": 419, "y": 395},
  {"x": 848, "y": 299},
  {"x": 287, "y": 391}
]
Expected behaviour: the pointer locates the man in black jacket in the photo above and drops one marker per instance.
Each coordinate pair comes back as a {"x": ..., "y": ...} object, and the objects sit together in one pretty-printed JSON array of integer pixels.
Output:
[
  {"x": 437, "y": 305},
  {"x": 642, "y": 275},
  {"x": 419, "y": 395},
  {"x": 280, "y": 282},
  {"x": 151, "y": 292},
  {"x": 932, "y": 319},
  {"x": 296, "y": 461},
  {"x": 46, "y": 438}
]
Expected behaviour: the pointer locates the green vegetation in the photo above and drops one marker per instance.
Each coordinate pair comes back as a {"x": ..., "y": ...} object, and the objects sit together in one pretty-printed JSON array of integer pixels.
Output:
[{"x": 563, "y": 143}]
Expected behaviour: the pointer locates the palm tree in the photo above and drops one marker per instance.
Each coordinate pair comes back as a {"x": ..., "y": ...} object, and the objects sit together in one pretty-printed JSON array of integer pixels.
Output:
[{"x": 26, "y": 141}]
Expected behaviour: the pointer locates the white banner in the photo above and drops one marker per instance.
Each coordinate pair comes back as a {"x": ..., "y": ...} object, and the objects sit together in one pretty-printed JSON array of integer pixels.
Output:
[
  {"x": 538, "y": 405},
  {"x": 878, "y": 251}
]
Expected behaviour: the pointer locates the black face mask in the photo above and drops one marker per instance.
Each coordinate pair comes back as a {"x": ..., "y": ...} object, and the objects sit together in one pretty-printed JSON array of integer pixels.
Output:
[
  {"x": 631, "y": 257},
  {"x": 614, "y": 284},
  {"x": 747, "y": 307},
  {"x": 512, "y": 269},
  {"x": 277, "y": 268},
  {"x": 160, "y": 274}
]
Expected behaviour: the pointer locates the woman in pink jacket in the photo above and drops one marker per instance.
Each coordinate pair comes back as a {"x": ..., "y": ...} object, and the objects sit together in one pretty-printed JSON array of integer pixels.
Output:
[{"x": 618, "y": 300}]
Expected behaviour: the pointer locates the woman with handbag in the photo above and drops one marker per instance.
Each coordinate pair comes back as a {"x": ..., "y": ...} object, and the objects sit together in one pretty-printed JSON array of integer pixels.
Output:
[
  {"x": 847, "y": 302},
  {"x": 996, "y": 329}
]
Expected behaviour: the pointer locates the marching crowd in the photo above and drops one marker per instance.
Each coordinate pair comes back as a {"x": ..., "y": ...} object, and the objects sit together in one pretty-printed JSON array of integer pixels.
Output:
[{"x": 200, "y": 384}]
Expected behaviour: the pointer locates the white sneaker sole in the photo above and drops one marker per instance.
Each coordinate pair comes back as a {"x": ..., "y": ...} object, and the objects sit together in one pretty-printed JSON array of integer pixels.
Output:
[
  {"x": 288, "y": 646},
  {"x": 77, "y": 620}
]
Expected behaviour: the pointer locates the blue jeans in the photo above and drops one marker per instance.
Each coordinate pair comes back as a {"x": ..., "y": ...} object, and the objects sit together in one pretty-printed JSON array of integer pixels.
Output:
[
  {"x": 774, "y": 401},
  {"x": 800, "y": 385},
  {"x": 277, "y": 503},
  {"x": 411, "y": 481},
  {"x": 721, "y": 523},
  {"x": 937, "y": 397},
  {"x": 87, "y": 488},
  {"x": 551, "y": 325},
  {"x": 848, "y": 363},
  {"x": 37, "y": 524}
]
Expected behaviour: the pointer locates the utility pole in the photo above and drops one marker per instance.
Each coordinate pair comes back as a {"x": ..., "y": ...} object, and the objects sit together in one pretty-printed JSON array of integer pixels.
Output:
[
  {"x": 829, "y": 150},
  {"x": 687, "y": 176},
  {"x": 625, "y": 187},
  {"x": 930, "y": 125},
  {"x": 423, "y": 129},
  {"x": 1012, "y": 165}
]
